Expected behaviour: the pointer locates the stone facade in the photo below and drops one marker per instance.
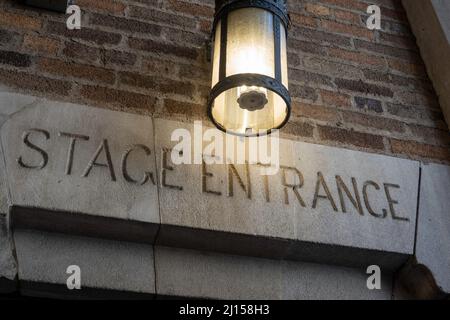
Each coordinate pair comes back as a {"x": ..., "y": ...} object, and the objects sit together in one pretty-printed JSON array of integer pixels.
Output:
[{"x": 85, "y": 124}]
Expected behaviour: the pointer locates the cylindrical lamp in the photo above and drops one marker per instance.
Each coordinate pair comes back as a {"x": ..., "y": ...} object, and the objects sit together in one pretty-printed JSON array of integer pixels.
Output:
[{"x": 249, "y": 95}]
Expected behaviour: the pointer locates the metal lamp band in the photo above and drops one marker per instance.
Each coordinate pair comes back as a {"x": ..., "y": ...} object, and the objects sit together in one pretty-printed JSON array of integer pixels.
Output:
[
  {"x": 277, "y": 7},
  {"x": 249, "y": 79}
]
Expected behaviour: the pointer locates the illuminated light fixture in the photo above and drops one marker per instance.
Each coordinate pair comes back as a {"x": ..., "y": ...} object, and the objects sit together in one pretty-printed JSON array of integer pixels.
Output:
[
  {"x": 249, "y": 95},
  {"x": 54, "y": 5}
]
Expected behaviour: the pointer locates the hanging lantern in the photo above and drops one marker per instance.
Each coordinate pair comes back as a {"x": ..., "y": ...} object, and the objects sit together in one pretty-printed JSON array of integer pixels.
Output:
[{"x": 249, "y": 95}]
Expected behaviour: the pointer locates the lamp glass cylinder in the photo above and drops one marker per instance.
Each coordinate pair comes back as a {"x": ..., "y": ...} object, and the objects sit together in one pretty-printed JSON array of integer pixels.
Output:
[{"x": 245, "y": 73}]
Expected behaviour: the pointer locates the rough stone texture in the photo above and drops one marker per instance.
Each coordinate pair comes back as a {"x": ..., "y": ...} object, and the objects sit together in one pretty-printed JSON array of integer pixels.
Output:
[
  {"x": 9, "y": 104},
  {"x": 303, "y": 228},
  {"x": 8, "y": 267},
  {"x": 51, "y": 178},
  {"x": 430, "y": 23},
  {"x": 433, "y": 232},
  {"x": 190, "y": 273},
  {"x": 122, "y": 266}
]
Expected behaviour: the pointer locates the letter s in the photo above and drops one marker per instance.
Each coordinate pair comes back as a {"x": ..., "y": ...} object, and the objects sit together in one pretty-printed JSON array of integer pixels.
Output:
[{"x": 26, "y": 141}]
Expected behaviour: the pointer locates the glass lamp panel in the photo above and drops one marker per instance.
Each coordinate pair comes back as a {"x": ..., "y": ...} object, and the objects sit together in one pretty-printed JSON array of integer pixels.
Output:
[
  {"x": 216, "y": 57},
  {"x": 284, "y": 64},
  {"x": 250, "y": 42},
  {"x": 230, "y": 115}
]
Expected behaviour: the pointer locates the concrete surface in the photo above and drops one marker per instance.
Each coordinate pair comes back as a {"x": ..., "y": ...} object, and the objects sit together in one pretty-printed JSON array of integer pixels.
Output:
[
  {"x": 43, "y": 258},
  {"x": 433, "y": 232},
  {"x": 430, "y": 22},
  {"x": 190, "y": 273}
]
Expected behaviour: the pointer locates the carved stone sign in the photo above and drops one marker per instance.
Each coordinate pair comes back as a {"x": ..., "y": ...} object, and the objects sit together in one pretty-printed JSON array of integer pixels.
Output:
[
  {"x": 321, "y": 195},
  {"x": 75, "y": 159},
  {"x": 324, "y": 203}
]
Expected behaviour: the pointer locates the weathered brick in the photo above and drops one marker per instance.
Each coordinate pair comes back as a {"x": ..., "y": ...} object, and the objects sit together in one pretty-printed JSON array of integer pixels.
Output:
[
  {"x": 359, "y": 139},
  {"x": 15, "y": 59},
  {"x": 358, "y": 57},
  {"x": 150, "y": 14},
  {"x": 369, "y": 121},
  {"x": 87, "y": 34},
  {"x": 186, "y": 38},
  {"x": 303, "y": 92},
  {"x": 420, "y": 149},
  {"x": 184, "y": 108},
  {"x": 35, "y": 83},
  {"x": 81, "y": 52},
  {"x": 41, "y": 44},
  {"x": 119, "y": 58},
  {"x": 361, "y": 86},
  {"x": 193, "y": 9},
  {"x": 347, "y": 29},
  {"x": 368, "y": 104},
  {"x": 163, "y": 48},
  {"x": 309, "y": 77},
  {"x": 408, "y": 67},
  {"x": 309, "y": 111},
  {"x": 159, "y": 83},
  {"x": 118, "y": 98},
  {"x": 125, "y": 24},
  {"x": 304, "y": 46},
  {"x": 399, "y": 41},
  {"x": 317, "y": 9},
  {"x": 299, "y": 129},
  {"x": 349, "y": 4},
  {"x": 321, "y": 37},
  {"x": 386, "y": 50},
  {"x": 414, "y": 112},
  {"x": 67, "y": 69},
  {"x": 431, "y": 135},
  {"x": 302, "y": 20},
  {"x": 348, "y": 16},
  {"x": 20, "y": 21},
  {"x": 331, "y": 98},
  {"x": 109, "y": 6},
  {"x": 8, "y": 37}
]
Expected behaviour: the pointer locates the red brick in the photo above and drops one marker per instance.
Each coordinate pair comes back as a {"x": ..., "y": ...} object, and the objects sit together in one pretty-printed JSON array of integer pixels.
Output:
[
  {"x": 163, "y": 48},
  {"x": 304, "y": 110},
  {"x": 68, "y": 69},
  {"x": 359, "y": 139},
  {"x": 369, "y": 121},
  {"x": 347, "y": 29},
  {"x": 41, "y": 44},
  {"x": 189, "y": 8},
  {"x": 302, "y": 20},
  {"x": 330, "y": 98},
  {"x": 358, "y": 57},
  {"x": 317, "y": 9},
  {"x": 419, "y": 149},
  {"x": 109, "y": 6},
  {"x": 20, "y": 21},
  {"x": 35, "y": 83},
  {"x": 184, "y": 108},
  {"x": 118, "y": 98}
]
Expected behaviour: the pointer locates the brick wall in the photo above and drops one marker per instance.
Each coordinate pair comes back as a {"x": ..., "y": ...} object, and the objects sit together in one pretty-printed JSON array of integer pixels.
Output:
[{"x": 351, "y": 87}]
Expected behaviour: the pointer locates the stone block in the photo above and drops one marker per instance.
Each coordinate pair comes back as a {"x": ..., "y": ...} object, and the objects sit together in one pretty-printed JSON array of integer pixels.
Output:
[
  {"x": 433, "y": 224},
  {"x": 73, "y": 168},
  {"x": 44, "y": 258},
  {"x": 8, "y": 266},
  {"x": 324, "y": 204},
  {"x": 190, "y": 273}
]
